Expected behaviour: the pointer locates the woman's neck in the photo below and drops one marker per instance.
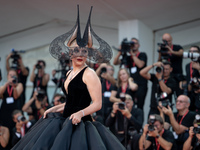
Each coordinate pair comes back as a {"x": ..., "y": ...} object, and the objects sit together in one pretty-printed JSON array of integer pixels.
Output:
[{"x": 77, "y": 68}]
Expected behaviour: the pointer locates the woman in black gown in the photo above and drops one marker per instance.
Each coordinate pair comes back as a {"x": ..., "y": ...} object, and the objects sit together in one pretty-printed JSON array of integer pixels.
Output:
[{"x": 81, "y": 86}]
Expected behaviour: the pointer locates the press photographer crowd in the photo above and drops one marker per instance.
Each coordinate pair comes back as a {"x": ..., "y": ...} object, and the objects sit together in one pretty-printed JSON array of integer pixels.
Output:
[{"x": 173, "y": 117}]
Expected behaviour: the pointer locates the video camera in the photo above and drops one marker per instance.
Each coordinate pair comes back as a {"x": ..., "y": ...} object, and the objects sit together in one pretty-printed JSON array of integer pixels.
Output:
[
  {"x": 41, "y": 95},
  {"x": 21, "y": 118},
  {"x": 152, "y": 120},
  {"x": 126, "y": 45},
  {"x": 163, "y": 50},
  {"x": 15, "y": 56},
  {"x": 196, "y": 130}
]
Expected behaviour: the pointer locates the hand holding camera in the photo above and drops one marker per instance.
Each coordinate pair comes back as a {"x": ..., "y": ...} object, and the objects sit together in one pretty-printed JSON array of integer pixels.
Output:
[{"x": 167, "y": 111}]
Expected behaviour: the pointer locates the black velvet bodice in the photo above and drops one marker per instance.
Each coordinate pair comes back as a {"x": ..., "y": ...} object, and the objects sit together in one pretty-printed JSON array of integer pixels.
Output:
[{"x": 77, "y": 97}]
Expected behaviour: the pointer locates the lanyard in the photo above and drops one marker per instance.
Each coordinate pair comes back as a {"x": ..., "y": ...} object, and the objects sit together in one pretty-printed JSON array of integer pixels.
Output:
[
  {"x": 124, "y": 89},
  {"x": 165, "y": 81},
  {"x": 157, "y": 143},
  {"x": 136, "y": 56},
  {"x": 38, "y": 83},
  {"x": 108, "y": 85},
  {"x": 191, "y": 70},
  {"x": 182, "y": 117},
  {"x": 9, "y": 90}
]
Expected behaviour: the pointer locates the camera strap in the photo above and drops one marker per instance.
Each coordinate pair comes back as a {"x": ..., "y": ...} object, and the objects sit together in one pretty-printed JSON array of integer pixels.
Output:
[
  {"x": 108, "y": 85},
  {"x": 137, "y": 57},
  {"x": 191, "y": 70},
  {"x": 182, "y": 117},
  {"x": 157, "y": 143},
  {"x": 10, "y": 90}
]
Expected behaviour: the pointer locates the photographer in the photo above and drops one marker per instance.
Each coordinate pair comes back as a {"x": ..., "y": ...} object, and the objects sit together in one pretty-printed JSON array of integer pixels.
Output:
[
  {"x": 181, "y": 120},
  {"x": 58, "y": 99},
  {"x": 126, "y": 119},
  {"x": 193, "y": 141},
  {"x": 135, "y": 61},
  {"x": 155, "y": 137},
  {"x": 172, "y": 53},
  {"x": 105, "y": 72},
  {"x": 40, "y": 79},
  {"x": 37, "y": 104},
  {"x": 161, "y": 82},
  {"x": 192, "y": 76},
  {"x": 4, "y": 137},
  {"x": 21, "y": 126},
  {"x": 65, "y": 67},
  {"x": 21, "y": 70},
  {"x": 11, "y": 92},
  {"x": 125, "y": 85}
]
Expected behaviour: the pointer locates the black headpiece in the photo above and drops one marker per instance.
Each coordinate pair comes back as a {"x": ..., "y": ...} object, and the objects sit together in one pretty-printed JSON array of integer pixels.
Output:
[{"x": 61, "y": 45}]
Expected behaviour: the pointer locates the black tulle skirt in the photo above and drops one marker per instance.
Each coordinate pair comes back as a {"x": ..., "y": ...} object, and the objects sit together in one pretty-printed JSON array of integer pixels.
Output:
[{"x": 58, "y": 133}]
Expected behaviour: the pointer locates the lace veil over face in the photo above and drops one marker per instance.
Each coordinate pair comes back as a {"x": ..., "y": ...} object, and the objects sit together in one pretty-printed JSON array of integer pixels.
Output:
[{"x": 61, "y": 47}]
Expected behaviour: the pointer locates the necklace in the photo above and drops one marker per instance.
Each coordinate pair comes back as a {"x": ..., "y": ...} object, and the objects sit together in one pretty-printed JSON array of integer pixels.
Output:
[{"x": 70, "y": 78}]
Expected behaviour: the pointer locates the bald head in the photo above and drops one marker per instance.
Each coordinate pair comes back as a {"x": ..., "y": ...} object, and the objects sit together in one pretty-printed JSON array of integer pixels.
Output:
[{"x": 167, "y": 37}]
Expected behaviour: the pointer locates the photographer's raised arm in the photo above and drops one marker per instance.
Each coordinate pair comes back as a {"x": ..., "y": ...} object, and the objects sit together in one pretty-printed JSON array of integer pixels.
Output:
[
  {"x": 178, "y": 128},
  {"x": 177, "y": 53},
  {"x": 113, "y": 97},
  {"x": 27, "y": 106},
  {"x": 17, "y": 90},
  {"x": 145, "y": 72},
  {"x": 143, "y": 143},
  {"x": 3, "y": 88},
  {"x": 139, "y": 63},
  {"x": 7, "y": 62},
  {"x": 25, "y": 72},
  {"x": 164, "y": 87},
  {"x": 32, "y": 77},
  {"x": 45, "y": 79},
  {"x": 133, "y": 86},
  {"x": 116, "y": 60}
]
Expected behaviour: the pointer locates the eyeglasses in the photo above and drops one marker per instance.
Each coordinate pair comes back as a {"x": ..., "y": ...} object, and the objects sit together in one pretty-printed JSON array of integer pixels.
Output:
[{"x": 180, "y": 101}]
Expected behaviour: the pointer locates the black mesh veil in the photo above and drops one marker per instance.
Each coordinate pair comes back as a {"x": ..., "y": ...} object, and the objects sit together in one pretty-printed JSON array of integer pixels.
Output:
[{"x": 60, "y": 46}]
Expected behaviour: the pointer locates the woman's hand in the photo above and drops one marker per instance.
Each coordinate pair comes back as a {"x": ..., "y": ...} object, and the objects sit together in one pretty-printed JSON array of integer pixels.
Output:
[
  {"x": 47, "y": 111},
  {"x": 76, "y": 117}
]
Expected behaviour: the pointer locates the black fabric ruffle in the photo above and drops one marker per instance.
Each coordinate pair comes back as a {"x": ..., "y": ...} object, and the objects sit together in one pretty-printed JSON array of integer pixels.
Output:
[{"x": 58, "y": 133}]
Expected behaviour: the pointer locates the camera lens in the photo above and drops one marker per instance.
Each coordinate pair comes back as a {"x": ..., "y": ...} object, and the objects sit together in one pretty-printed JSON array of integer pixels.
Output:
[{"x": 158, "y": 69}]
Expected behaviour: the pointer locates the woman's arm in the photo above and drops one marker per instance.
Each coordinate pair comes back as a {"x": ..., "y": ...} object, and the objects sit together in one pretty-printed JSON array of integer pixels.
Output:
[
  {"x": 93, "y": 83},
  {"x": 17, "y": 91},
  {"x": 57, "y": 108},
  {"x": 113, "y": 97}
]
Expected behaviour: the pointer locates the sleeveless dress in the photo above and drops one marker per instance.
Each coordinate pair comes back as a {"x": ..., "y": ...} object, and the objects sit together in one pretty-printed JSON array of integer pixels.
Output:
[{"x": 57, "y": 132}]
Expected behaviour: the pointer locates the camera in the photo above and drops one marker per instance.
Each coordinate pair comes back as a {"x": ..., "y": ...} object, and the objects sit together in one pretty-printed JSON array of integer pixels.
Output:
[
  {"x": 62, "y": 99},
  {"x": 196, "y": 130},
  {"x": 193, "y": 56},
  {"x": 121, "y": 105},
  {"x": 15, "y": 56},
  {"x": 126, "y": 45},
  {"x": 41, "y": 95},
  {"x": 38, "y": 66},
  {"x": 15, "y": 79},
  {"x": 159, "y": 69},
  {"x": 21, "y": 118},
  {"x": 152, "y": 120},
  {"x": 162, "y": 100},
  {"x": 194, "y": 81},
  {"x": 103, "y": 70},
  {"x": 163, "y": 50}
]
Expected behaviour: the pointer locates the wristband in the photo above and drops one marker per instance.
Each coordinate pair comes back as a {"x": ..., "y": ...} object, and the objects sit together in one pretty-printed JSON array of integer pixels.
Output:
[
  {"x": 83, "y": 113},
  {"x": 159, "y": 80}
]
